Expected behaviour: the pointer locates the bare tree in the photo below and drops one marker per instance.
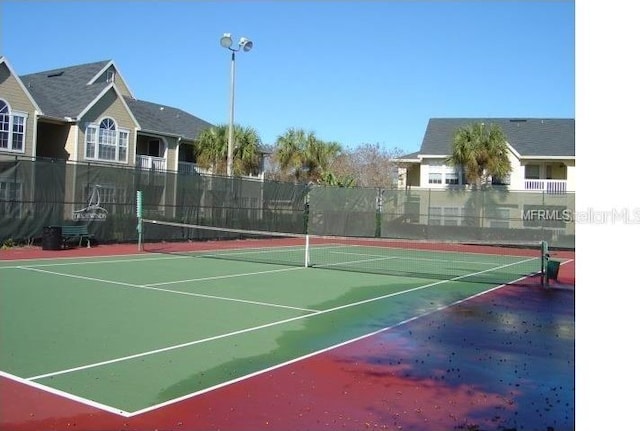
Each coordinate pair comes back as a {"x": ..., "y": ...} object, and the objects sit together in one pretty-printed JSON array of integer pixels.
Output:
[{"x": 369, "y": 165}]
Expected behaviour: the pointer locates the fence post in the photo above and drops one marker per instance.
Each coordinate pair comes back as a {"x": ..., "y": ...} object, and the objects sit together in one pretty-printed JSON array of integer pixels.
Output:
[
  {"x": 380, "y": 194},
  {"x": 428, "y": 212},
  {"x": 139, "y": 216}
]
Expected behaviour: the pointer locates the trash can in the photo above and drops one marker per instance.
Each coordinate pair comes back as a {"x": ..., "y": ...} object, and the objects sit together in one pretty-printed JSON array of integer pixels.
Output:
[
  {"x": 553, "y": 267},
  {"x": 52, "y": 238}
]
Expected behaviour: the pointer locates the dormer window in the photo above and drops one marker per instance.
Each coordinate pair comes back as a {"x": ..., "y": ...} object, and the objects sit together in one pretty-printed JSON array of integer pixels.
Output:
[{"x": 111, "y": 76}]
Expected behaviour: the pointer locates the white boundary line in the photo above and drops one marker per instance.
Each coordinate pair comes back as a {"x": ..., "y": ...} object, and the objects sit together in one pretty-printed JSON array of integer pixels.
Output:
[
  {"x": 178, "y": 292},
  {"x": 46, "y": 259},
  {"x": 142, "y": 354},
  {"x": 220, "y": 277},
  {"x": 421, "y": 259},
  {"x": 66, "y": 395},
  {"x": 97, "y": 262}
]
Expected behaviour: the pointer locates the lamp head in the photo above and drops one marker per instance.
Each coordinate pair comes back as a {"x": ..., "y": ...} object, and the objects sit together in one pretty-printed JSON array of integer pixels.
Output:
[
  {"x": 245, "y": 44},
  {"x": 226, "y": 41}
]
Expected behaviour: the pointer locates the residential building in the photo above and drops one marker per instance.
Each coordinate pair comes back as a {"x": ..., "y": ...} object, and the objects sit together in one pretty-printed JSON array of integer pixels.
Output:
[
  {"x": 535, "y": 201},
  {"x": 542, "y": 154},
  {"x": 88, "y": 113}
]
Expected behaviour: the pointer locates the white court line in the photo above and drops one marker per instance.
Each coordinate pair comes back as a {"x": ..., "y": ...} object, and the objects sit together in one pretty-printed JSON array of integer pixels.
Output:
[
  {"x": 177, "y": 292},
  {"x": 66, "y": 395},
  {"x": 143, "y": 257},
  {"x": 96, "y": 262},
  {"x": 414, "y": 258},
  {"x": 267, "y": 325},
  {"x": 353, "y": 261},
  {"x": 220, "y": 277},
  {"x": 167, "y": 349}
]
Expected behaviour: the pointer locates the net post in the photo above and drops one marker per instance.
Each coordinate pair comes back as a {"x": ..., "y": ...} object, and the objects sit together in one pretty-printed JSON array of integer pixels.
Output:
[
  {"x": 139, "y": 217},
  {"x": 544, "y": 259},
  {"x": 306, "y": 251}
]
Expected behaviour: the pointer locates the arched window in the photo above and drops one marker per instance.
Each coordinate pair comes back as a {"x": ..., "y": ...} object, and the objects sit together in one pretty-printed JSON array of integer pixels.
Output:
[
  {"x": 106, "y": 141},
  {"x": 11, "y": 129}
]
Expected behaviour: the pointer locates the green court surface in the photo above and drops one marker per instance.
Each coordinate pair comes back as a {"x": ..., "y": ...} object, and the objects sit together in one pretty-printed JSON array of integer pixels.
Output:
[{"x": 128, "y": 333}]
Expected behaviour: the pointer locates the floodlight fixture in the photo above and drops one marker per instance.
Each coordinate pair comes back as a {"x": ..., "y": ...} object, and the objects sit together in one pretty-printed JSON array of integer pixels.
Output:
[
  {"x": 245, "y": 45},
  {"x": 226, "y": 41}
]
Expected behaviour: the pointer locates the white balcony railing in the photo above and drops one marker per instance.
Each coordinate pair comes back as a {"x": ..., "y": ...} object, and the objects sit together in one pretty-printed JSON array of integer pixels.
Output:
[
  {"x": 547, "y": 186},
  {"x": 190, "y": 168},
  {"x": 151, "y": 163}
]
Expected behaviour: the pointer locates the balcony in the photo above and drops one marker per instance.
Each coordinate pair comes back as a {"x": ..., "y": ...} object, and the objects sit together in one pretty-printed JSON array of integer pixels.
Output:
[
  {"x": 151, "y": 163},
  {"x": 190, "y": 168},
  {"x": 547, "y": 186}
]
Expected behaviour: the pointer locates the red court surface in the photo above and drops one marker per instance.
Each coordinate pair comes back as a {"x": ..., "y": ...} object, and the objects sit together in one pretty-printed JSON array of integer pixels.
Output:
[{"x": 503, "y": 360}]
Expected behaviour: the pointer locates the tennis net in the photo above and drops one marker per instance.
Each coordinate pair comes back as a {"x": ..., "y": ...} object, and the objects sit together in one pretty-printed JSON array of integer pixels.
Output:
[{"x": 399, "y": 257}]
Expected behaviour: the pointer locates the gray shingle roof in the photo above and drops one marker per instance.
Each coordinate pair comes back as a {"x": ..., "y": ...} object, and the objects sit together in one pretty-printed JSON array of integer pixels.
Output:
[
  {"x": 413, "y": 155},
  {"x": 531, "y": 137},
  {"x": 153, "y": 117},
  {"x": 64, "y": 92}
]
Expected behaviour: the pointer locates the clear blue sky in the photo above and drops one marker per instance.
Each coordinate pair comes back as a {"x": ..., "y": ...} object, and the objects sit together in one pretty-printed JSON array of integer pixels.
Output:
[{"x": 353, "y": 72}]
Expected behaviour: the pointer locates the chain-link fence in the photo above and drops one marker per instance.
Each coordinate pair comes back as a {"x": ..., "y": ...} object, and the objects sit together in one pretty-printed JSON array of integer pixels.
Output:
[{"x": 35, "y": 194}]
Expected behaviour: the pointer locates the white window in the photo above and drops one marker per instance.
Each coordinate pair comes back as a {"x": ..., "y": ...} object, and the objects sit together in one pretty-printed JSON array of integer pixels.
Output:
[
  {"x": 442, "y": 174},
  {"x": 445, "y": 216},
  {"x": 451, "y": 178},
  {"x": 504, "y": 181},
  {"x": 110, "y": 142},
  {"x": 435, "y": 216},
  {"x": 452, "y": 216},
  {"x": 91, "y": 142},
  {"x": 10, "y": 199},
  {"x": 123, "y": 144},
  {"x": 12, "y": 126},
  {"x": 113, "y": 199}
]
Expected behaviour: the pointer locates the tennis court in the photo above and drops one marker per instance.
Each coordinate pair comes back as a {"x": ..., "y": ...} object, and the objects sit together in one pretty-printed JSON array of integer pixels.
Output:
[{"x": 131, "y": 334}]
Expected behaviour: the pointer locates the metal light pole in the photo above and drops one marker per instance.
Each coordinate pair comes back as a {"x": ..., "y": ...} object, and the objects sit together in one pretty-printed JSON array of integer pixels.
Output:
[{"x": 245, "y": 45}]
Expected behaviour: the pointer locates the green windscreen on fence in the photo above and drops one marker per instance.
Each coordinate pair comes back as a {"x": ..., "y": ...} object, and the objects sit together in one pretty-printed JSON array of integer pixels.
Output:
[
  {"x": 479, "y": 216},
  {"x": 35, "y": 194},
  {"x": 343, "y": 211}
]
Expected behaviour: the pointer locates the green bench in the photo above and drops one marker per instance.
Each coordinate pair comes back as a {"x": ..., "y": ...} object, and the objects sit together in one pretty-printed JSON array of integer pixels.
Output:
[{"x": 73, "y": 233}]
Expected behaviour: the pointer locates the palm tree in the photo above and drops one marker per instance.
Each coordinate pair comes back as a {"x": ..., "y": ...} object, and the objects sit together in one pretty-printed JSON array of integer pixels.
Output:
[
  {"x": 330, "y": 179},
  {"x": 211, "y": 149},
  {"x": 481, "y": 151},
  {"x": 246, "y": 155},
  {"x": 319, "y": 156},
  {"x": 289, "y": 152},
  {"x": 304, "y": 156}
]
